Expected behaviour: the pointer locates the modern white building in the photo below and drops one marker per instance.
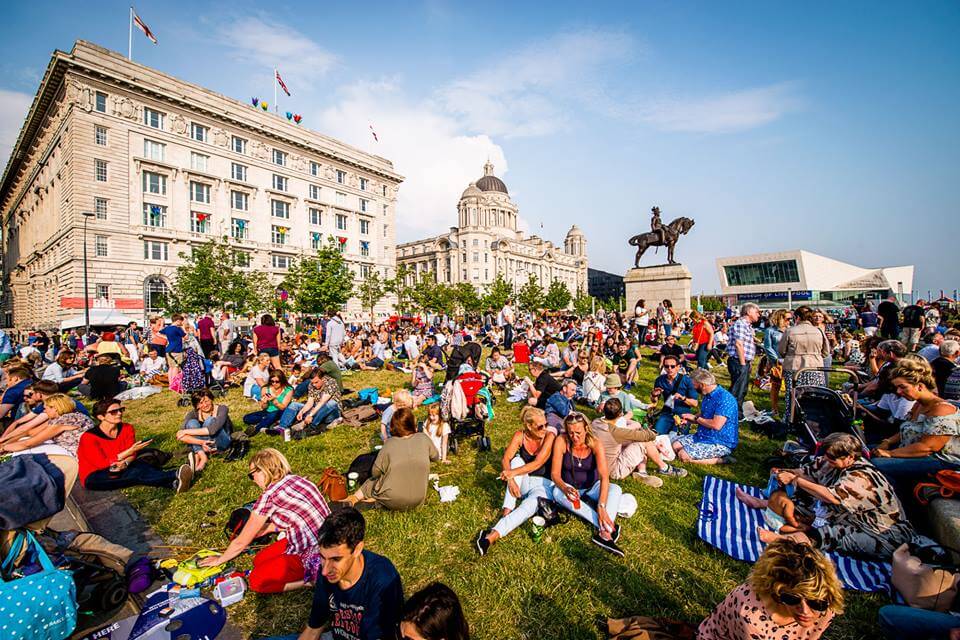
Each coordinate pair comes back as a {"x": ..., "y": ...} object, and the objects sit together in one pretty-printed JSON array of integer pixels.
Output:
[{"x": 773, "y": 279}]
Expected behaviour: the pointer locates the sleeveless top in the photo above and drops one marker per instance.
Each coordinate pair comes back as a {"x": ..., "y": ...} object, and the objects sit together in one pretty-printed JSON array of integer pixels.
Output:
[
  {"x": 580, "y": 473},
  {"x": 528, "y": 457}
]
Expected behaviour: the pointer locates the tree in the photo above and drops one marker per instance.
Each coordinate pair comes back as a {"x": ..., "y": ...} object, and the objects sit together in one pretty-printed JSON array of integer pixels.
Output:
[
  {"x": 558, "y": 296},
  {"x": 210, "y": 279},
  {"x": 429, "y": 296},
  {"x": 467, "y": 298},
  {"x": 398, "y": 286},
  {"x": 371, "y": 291},
  {"x": 321, "y": 283},
  {"x": 583, "y": 303},
  {"x": 498, "y": 292},
  {"x": 531, "y": 294}
]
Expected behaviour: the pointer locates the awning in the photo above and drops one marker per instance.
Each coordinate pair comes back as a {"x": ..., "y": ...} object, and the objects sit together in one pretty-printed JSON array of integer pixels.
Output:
[{"x": 99, "y": 318}]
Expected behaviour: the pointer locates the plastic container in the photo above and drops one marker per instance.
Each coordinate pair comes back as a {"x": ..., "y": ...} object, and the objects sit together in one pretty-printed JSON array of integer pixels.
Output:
[{"x": 230, "y": 591}]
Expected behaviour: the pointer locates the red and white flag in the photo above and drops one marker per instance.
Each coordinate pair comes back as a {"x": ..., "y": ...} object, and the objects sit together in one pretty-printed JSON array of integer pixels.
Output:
[
  {"x": 143, "y": 27},
  {"x": 376, "y": 139},
  {"x": 280, "y": 81}
]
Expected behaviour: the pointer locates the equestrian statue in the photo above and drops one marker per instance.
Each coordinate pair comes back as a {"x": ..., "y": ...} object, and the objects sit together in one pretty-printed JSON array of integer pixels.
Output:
[{"x": 660, "y": 235}]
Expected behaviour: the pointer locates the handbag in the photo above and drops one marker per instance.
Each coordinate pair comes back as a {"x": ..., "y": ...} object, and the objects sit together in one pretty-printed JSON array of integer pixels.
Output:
[
  {"x": 921, "y": 585},
  {"x": 44, "y": 603},
  {"x": 333, "y": 485},
  {"x": 550, "y": 514},
  {"x": 362, "y": 465},
  {"x": 946, "y": 485}
]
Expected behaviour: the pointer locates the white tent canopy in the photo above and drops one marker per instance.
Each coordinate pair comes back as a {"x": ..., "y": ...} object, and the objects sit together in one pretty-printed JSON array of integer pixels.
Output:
[{"x": 98, "y": 318}]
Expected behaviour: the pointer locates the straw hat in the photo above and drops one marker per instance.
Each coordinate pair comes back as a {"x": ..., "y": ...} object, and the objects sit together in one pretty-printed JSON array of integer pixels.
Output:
[{"x": 612, "y": 381}]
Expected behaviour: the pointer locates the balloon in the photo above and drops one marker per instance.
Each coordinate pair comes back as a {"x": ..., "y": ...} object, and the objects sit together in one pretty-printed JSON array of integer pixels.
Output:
[
  {"x": 255, "y": 101},
  {"x": 289, "y": 116},
  {"x": 263, "y": 105}
]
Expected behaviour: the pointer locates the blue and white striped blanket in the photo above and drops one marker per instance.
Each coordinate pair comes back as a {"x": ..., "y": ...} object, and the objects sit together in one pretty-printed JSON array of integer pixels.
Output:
[{"x": 731, "y": 526}]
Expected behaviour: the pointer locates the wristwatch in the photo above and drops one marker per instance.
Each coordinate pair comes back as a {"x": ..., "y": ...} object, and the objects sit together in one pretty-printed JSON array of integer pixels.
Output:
[{"x": 601, "y": 505}]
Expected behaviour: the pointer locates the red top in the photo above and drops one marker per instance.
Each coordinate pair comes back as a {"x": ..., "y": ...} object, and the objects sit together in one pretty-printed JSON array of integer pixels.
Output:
[
  {"x": 98, "y": 451},
  {"x": 205, "y": 327},
  {"x": 699, "y": 333},
  {"x": 266, "y": 336}
]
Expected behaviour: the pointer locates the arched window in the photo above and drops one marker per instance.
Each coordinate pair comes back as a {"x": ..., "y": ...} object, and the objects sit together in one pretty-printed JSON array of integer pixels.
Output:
[{"x": 155, "y": 293}]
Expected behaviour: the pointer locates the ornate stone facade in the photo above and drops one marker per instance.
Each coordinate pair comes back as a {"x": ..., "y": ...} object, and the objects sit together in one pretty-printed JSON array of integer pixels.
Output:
[
  {"x": 164, "y": 164},
  {"x": 486, "y": 242}
]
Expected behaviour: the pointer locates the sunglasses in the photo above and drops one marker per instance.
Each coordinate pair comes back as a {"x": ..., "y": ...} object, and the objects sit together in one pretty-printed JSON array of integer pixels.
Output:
[
  {"x": 115, "y": 412},
  {"x": 277, "y": 380},
  {"x": 251, "y": 473},
  {"x": 669, "y": 366},
  {"x": 793, "y": 600}
]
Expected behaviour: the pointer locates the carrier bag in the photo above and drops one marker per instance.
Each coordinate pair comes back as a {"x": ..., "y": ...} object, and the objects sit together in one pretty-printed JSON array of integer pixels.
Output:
[{"x": 42, "y": 605}]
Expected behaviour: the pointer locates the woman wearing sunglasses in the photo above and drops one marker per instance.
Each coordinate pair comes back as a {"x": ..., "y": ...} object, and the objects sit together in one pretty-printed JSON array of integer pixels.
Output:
[
  {"x": 579, "y": 470},
  {"x": 273, "y": 400},
  {"x": 108, "y": 456},
  {"x": 792, "y": 593}
]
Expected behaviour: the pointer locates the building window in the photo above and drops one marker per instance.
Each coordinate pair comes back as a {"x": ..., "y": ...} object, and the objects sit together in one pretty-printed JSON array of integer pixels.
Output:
[
  {"x": 239, "y": 201},
  {"x": 365, "y": 271},
  {"x": 280, "y": 209},
  {"x": 316, "y": 240},
  {"x": 238, "y": 172},
  {"x": 486, "y": 274},
  {"x": 777, "y": 272},
  {"x": 315, "y": 168},
  {"x": 241, "y": 258},
  {"x": 100, "y": 208},
  {"x": 281, "y": 262},
  {"x": 199, "y": 222},
  {"x": 100, "y": 135},
  {"x": 154, "y": 215},
  {"x": 341, "y": 222},
  {"x": 103, "y": 291},
  {"x": 155, "y": 293},
  {"x": 476, "y": 243},
  {"x": 279, "y": 157},
  {"x": 279, "y": 183},
  {"x": 365, "y": 227},
  {"x": 152, "y": 118},
  {"x": 238, "y": 144},
  {"x": 155, "y": 250},
  {"x": 384, "y": 191},
  {"x": 316, "y": 218},
  {"x": 155, "y": 183},
  {"x": 198, "y": 161},
  {"x": 476, "y": 274},
  {"x": 100, "y": 170},
  {"x": 341, "y": 176},
  {"x": 476, "y": 256},
  {"x": 100, "y": 102},
  {"x": 153, "y": 150},
  {"x": 238, "y": 228},
  {"x": 486, "y": 257},
  {"x": 363, "y": 184},
  {"x": 200, "y": 192},
  {"x": 385, "y": 227},
  {"x": 342, "y": 245},
  {"x": 198, "y": 132},
  {"x": 278, "y": 234},
  {"x": 314, "y": 192},
  {"x": 341, "y": 199},
  {"x": 364, "y": 248},
  {"x": 100, "y": 246},
  {"x": 384, "y": 209},
  {"x": 364, "y": 205}
]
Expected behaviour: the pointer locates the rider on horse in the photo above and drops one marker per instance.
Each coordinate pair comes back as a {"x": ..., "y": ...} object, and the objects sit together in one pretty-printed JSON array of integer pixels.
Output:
[{"x": 656, "y": 225}]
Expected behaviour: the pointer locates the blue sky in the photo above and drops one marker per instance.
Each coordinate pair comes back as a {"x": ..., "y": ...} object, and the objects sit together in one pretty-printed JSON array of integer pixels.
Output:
[{"x": 830, "y": 127}]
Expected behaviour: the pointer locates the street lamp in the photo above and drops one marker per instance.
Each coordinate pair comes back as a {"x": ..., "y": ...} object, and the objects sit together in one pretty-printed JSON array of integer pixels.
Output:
[{"x": 86, "y": 287}]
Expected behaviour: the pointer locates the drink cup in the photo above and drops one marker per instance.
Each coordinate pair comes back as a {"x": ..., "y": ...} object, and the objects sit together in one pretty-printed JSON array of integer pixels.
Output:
[
  {"x": 352, "y": 478},
  {"x": 537, "y": 525},
  {"x": 286, "y": 435},
  {"x": 576, "y": 502}
]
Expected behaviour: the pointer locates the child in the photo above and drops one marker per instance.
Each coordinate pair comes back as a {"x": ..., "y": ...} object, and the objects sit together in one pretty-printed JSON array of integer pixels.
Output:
[
  {"x": 438, "y": 430},
  {"x": 779, "y": 510},
  {"x": 421, "y": 379}
]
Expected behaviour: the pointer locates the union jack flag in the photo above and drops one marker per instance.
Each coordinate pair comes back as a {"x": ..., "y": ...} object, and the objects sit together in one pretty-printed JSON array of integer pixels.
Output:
[{"x": 282, "y": 85}]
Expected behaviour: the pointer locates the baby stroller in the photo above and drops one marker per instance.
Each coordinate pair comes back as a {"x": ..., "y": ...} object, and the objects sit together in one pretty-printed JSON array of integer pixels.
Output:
[
  {"x": 465, "y": 407},
  {"x": 816, "y": 411}
]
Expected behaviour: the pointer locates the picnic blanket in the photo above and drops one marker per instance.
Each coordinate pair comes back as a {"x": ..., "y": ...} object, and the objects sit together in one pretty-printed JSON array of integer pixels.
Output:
[{"x": 731, "y": 526}]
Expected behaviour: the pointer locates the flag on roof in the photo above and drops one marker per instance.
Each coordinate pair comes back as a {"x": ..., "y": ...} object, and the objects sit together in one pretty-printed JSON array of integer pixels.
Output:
[
  {"x": 143, "y": 27},
  {"x": 282, "y": 84},
  {"x": 375, "y": 138}
]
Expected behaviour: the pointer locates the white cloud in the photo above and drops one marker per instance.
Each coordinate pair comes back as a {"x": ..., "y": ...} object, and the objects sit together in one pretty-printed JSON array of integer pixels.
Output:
[
  {"x": 13, "y": 109},
  {"x": 723, "y": 113}
]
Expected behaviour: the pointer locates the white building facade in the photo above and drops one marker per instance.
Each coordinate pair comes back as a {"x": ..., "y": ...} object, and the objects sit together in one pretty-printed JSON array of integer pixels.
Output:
[
  {"x": 162, "y": 165},
  {"x": 486, "y": 242}
]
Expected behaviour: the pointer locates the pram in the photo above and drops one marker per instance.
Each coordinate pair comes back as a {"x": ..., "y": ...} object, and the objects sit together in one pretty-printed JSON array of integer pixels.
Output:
[
  {"x": 197, "y": 375},
  {"x": 816, "y": 411},
  {"x": 467, "y": 415}
]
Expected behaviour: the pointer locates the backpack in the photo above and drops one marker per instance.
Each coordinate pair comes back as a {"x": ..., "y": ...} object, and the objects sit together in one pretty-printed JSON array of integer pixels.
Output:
[{"x": 333, "y": 485}]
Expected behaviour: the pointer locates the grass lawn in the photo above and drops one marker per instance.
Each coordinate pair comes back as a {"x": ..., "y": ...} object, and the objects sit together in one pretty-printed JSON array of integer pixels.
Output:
[{"x": 563, "y": 587}]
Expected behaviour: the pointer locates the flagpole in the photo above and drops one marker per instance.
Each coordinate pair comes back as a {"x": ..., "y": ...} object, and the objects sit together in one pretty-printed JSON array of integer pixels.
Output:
[
  {"x": 275, "y": 108},
  {"x": 130, "y": 36}
]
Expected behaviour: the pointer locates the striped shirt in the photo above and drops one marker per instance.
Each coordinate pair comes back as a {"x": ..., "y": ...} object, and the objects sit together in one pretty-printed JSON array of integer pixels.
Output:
[
  {"x": 742, "y": 330},
  {"x": 297, "y": 508}
]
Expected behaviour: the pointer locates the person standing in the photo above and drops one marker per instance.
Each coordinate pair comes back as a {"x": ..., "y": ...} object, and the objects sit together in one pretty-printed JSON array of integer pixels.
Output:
[
  {"x": 6, "y": 348},
  {"x": 889, "y": 314},
  {"x": 334, "y": 334},
  {"x": 174, "y": 334},
  {"x": 778, "y": 323},
  {"x": 702, "y": 335},
  {"x": 869, "y": 320},
  {"x": 913, "y": 324},
  {"x": 642, "y": 317},
  {"x": 226, "y": 331},
  {"x": 741, "y": 349},
  {"x": 205, "y": 333},
  {"x": 506, "y": 320},
  {"x": 132, "y": 339},
  {"x": 266, "y": 339},
  {"x": 803, "y": 346}
]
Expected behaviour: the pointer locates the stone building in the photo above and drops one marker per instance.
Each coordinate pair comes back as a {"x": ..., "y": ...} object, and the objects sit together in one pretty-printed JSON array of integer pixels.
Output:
[
  {"x": 162, "y": 164},
  {"x": 486, "y": 242}
]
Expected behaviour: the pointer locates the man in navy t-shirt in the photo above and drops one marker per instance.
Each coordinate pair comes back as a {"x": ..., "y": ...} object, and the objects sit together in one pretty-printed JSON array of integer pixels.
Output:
[
  {"x": 175, "y": 335},
  {"x": 358, "y": 595}
]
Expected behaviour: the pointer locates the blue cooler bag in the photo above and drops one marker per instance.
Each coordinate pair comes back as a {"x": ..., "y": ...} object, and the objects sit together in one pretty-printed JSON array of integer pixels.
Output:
[{"x": 41, "y": 605}]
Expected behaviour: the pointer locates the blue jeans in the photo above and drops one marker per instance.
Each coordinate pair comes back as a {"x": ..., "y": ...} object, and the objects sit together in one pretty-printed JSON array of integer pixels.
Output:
[
  {"x": 532, "y": 488},
  {"x": 703, "y": 355},
  {"x": 327, "y": 413},
  {"x": 137, "y": 474},
  {"x": 586, "y": 511},
  {"x": 665, "y": 423},
  {"x": 899, "y": 621},
  {"x": 262, "y": 419},
  {"x": 739, "y": 379},
  {"x": 221, "y": 439},
  {"x": 301, "y": 389},
  {"x": 904, "y": 473}
]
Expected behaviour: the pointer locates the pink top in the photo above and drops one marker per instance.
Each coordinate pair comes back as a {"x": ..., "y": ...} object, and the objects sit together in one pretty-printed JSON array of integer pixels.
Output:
[
  {"x": 266, "y": 336},
  {"x": 742, "y": 616}
]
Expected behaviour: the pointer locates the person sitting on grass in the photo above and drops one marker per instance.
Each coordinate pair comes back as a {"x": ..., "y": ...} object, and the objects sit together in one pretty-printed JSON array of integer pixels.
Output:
[
  {"x": 628, "y": 446},
  {"x": 560, "y": 404},
  {"x": 677, "y": 392},
  {"x": 542, "y": 386},
  {"x": 438, "y": 430},
  {"x": 625, "y": 363},
  {"x": 594, "y": 379},
  {"x": 400, "y": 473},
  {"x": 421, "y": 379},
  {"x": 500, "y": 369},
  {"x": 206, "y": 428},
  {"x": 273, "y": 400},
  {"x": 578, "y": 469},
  {"x": 718, "y": 429},
  {"x": 401, "y": 399},
  {"x": 526, "y": 473},
  {"x": 291, "y": 505},
  {"x": 613, "y": 388},
  {"x": 258, "y": 377},
  {"x": 62, "y": 371},
  {"x": 434, "y": 613},
  {"x": 792, "y": 593},
  {"x": 61, "y": 426},
  {"x": 108, "y": 456}
]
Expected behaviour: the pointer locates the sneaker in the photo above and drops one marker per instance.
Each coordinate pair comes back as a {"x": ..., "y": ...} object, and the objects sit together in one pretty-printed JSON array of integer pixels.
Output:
[
  {"x": 274, "y": 431},
  {"x": 672, "y": 472},
  {"x": 647, "y": 479},
  {"x": 608, "y": 545},
  {"x": 481, "y": 544},
  {"x": 333, "y": 423},
  {"x": 615, "y": 534},
  {"x": 184, "y": 478},
  {"x": 192, "y": 460}
]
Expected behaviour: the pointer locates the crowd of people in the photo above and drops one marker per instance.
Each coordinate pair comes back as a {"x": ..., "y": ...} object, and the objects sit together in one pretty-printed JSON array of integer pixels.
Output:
[{"x": 906, "y": 361}]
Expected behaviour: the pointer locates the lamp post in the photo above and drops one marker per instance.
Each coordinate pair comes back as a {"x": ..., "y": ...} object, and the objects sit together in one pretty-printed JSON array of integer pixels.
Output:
[{"x": 86, "y": 287}]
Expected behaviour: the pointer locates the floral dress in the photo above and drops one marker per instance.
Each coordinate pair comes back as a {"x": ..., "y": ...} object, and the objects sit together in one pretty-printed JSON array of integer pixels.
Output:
[
  {"x": 70, "y": 440},
  {"x": 912, "y": 430},
  {"x": 423, "y": 383}
]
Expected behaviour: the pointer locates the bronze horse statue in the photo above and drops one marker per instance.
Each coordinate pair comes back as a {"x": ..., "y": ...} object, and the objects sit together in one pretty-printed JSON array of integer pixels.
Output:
[{"x": 672, "y": 232}]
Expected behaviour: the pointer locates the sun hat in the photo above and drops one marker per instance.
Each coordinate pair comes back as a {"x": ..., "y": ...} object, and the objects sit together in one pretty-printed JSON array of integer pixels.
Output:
[{"x": 612, "y": 381}]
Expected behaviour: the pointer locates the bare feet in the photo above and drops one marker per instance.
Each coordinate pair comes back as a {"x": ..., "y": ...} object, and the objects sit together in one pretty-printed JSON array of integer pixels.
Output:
[
  {"x": 751, "y": 501},
  {"x": 766, "y": 536}
]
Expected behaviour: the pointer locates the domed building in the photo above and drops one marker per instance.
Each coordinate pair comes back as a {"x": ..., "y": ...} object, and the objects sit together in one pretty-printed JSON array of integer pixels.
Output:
[{"x": 486, "y": 242}]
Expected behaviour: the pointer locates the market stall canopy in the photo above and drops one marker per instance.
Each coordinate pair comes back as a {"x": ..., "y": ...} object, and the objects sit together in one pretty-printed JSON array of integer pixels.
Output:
[{"x": 99, "y": 318}]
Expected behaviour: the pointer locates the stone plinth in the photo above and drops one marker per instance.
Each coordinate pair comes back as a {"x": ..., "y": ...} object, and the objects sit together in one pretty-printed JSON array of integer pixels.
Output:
[{"x": 653, "y": 284}]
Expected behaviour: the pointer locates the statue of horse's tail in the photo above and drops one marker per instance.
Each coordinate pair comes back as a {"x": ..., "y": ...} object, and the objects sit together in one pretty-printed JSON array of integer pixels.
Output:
[{"x": 635, "y": 240}]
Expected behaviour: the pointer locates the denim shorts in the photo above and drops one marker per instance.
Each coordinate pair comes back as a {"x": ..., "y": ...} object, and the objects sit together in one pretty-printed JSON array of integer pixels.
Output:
[{"x": 273, "y": 352}]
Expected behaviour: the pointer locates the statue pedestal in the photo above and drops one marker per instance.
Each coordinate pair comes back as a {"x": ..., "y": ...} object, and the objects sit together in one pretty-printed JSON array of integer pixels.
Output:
[{"x": 653, "y": 284}]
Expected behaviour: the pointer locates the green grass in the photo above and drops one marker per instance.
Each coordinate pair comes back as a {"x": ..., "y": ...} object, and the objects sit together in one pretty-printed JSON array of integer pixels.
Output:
[{"x": 563, "y": 587}]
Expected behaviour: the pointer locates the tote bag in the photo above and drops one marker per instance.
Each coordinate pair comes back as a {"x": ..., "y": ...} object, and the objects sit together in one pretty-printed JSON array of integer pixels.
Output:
[{"x": 42, "y": 605}]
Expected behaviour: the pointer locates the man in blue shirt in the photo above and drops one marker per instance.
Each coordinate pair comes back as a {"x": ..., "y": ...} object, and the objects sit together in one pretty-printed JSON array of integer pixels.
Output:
[
  {"x": 18, "y": 379},
  {"x": 717, "y": 431},
  {"x": 175, "y": 335},
  {"x": 677, "y": 393},
  {"x": 358, "y": 595},
  {"x": 559, "y": 405},
  {"x": 6, "y": 348}
]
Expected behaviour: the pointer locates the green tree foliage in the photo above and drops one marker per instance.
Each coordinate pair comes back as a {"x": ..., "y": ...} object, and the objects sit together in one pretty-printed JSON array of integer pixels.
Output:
[
  {"x": 371, "y": 291},
  {"x": 582, "y": 303},
  {"x": 398, "y": 286},
  {"x": 530, "y": 296},
  {"x": 467, "y": 298},
  {"x": 210, "y": 279},
  {"x": 558, "y": 296},
  {"x": 430, "y": 296},
  {"x": 321, "y": 283},
  {"x": 498, "y": 292},
  {"x": 710, "y": 303}
]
